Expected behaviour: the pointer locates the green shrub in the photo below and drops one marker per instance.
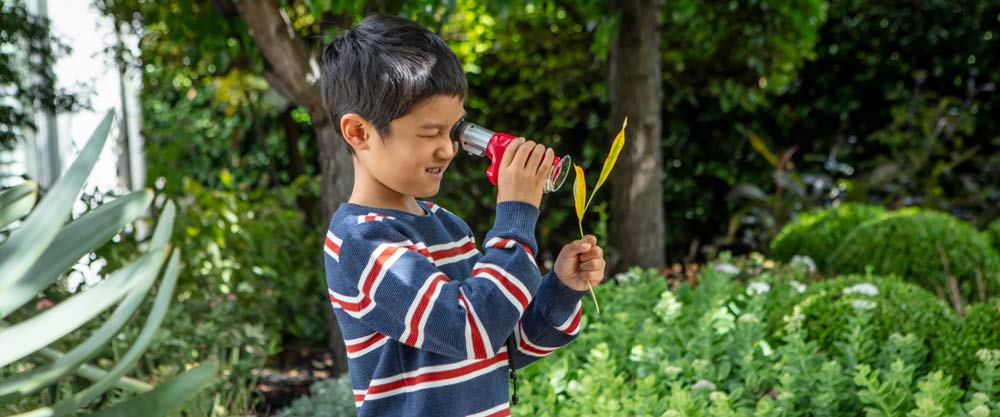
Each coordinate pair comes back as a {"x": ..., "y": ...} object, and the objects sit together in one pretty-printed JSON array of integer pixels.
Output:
[
  {"x": 980, "y": 329},
  {"x": 895, "y": 306},
  {"x": 910, "y": 244},
  {"x": 992, "y": 234},
  {"x": 818, "y": 233},
  {"x": 331, "y": 397}
]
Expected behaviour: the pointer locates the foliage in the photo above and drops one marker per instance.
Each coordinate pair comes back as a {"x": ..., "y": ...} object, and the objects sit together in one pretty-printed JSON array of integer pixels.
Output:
[
  {"x": 34, "y": 256},
  {"x": 818, "y": 233},
  {"x": 978, "y": 330},
  {"x": 992, "y": 234},
  {"x": 330, "y": 397},
  {"x": 889, "y": 306},
  {"x": 706, "y": 349},
  {"x": 231, "y": 238},
  {"x": 925, "y": 247}
]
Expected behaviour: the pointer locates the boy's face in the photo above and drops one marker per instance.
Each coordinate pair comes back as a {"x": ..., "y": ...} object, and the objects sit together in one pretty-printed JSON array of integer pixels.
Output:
[{"x": 418, "y": 142}]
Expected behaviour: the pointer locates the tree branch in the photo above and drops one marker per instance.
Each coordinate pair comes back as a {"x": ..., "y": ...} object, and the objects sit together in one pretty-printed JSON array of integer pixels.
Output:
[{"x": 292, "y": 71}]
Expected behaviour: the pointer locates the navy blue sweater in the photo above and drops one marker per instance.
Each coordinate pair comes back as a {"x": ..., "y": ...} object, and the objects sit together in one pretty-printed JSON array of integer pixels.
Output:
[{"x": 426, "y": 317}]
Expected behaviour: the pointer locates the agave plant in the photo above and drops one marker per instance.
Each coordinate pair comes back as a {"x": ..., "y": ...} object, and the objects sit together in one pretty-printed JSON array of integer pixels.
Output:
[{"x": 42, "y": 248}]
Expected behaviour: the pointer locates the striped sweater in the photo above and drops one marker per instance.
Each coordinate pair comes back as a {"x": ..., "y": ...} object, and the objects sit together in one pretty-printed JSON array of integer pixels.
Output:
[{"x": 426, "y": 316}]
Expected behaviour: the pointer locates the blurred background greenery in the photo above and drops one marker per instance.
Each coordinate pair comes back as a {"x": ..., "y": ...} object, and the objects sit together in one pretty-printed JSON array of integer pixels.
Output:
[{"x": 768, "y": 109}]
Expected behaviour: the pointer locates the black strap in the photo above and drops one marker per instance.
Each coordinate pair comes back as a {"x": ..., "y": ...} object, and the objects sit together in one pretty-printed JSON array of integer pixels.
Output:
[{"x": 510, "y": 364}]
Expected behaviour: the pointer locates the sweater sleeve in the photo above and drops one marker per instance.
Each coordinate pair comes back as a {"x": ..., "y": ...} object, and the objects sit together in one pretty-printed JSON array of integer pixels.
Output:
[
  {"x": 393, "y": 286},
  {"x": 551, "y": 322}
]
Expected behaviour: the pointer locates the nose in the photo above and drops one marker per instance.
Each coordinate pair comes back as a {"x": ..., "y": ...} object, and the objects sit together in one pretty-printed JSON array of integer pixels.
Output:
[{"x": 448, "y": 151}]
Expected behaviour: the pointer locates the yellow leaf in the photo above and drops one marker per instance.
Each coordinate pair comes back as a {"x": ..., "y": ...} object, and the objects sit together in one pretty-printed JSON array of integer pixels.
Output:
[
  {"x": 761, "y": 148},
  {"x": 579, "y": 194},
  {"x": 609, "y": 162}
]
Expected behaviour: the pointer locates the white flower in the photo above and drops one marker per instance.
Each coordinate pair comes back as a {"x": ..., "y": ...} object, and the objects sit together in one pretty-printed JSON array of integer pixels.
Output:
[
  {"x": 864, "y": 288},
  {"x": 667, "y": 308},
  {"x": 805, "y": 261},
  {"x": 727, "y": 269},
  {"x": 703, "y": 384},
  {"x": 797, "y": 286},
  {"x": 758, "y": 288},
  {"x": 672, "y": 371},
  {"x": 861, "y": 305}
]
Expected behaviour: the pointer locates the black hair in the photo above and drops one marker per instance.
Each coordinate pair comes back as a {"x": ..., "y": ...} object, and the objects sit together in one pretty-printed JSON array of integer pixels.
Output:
[{"x": 383, "y": 67}]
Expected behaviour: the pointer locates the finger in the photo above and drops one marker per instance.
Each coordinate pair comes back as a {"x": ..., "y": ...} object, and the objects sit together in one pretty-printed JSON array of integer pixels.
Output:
[
  {"x": 594, "y": 253},
  {"x": 522, "y": 154},
  {"x": 594, "y": 277},
  {"x": 593, "y": 265},
  {"x": 536, "y": 157},
  {"x": 591, "y": 238},
  {"x": 546, "y": 164},
  {"x": 508, "y": 154},
  {"x": 576, "y": 247}
]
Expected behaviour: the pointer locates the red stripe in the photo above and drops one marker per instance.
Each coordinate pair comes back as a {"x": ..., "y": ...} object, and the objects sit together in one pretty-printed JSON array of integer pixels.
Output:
[
  {"x": 528, "y": 348},
  {"x": 437, "y": 376},
  {"x": 377, "y": 268},
  {"x": 501, "y": 413},
  {"x": 576, "y": 323},
  {"x": 357, "y": 347},
  {"x": 333, "y": 246},
  {"x": 422, "y": 251},
  {"x": 478, "y": 349},
  {"x": 425, "y": 301},
  {"x": 447, "y": 253},
  {"x": 359, "y": 397},
  {"x": 351, "y": 306},
  {"x": 521, "y": 298}
]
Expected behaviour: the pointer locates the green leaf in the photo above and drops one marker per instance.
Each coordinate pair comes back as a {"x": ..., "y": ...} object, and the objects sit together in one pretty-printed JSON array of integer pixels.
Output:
[
  {"x": 23, "y": 248},
  {"x": 165, "y": 397},
  {"x": 32, "y": 381},
  {"x": 27, "y": 336},
  {"x": 16, "y": 202},
  {"x": 127, "y": 361},
  {"x": 77, "y": 239}
]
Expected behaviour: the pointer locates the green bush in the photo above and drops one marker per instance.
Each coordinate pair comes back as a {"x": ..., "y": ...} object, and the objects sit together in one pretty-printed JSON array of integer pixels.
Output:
[
  {"x": 332, "y": 397},
  {"x": 980, "y": 329},
  {"x": 894, "y": 306},
  {"x": 818, "y": 233},
  {"x": 992, "y": 234},
  {"x": 911, "y": 244}
]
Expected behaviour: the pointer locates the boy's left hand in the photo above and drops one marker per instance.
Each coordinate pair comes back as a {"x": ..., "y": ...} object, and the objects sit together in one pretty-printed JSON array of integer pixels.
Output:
[{"x": 579, "y": 262}]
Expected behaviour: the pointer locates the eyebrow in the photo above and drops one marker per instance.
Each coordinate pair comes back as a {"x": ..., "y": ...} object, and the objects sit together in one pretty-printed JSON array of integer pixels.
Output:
[{"x": 439, "y": 125}]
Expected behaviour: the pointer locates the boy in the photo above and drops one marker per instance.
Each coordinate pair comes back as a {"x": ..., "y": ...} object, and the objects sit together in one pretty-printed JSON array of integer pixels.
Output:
[{"x": 431, "y": 324}]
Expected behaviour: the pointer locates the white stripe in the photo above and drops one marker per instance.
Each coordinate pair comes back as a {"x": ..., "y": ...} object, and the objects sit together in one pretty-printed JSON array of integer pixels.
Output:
[
  {"x": 494, "y": 243},
  {"x": 385, "y": 267},
  {"x": 413, "y": 308},
  {"x": 503, "y": 289},
  {"x": 470, "y": 351},
  {"x": 569, "y": 321},
  {"x": 499, "y": 407},
  {"x": 337, "y": 241},
  {"x": 485, "y": 337},
  {"x": 521, "y": 336},
  {"x": 427, "y": 313},
  {"x": 374, "y": 346},
  {"x": 441, "y": 383},
  {"x": 430, "y": 369}
]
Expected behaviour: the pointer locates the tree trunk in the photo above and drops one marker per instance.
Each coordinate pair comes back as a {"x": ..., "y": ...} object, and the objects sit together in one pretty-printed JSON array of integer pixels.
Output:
[
  {"x": 291, "y": 73},
  {"x": 637, "y": 213}
]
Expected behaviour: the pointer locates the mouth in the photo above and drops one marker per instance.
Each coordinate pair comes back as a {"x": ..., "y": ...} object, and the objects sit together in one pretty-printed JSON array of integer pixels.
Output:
[{"x": 435, "y": 170}]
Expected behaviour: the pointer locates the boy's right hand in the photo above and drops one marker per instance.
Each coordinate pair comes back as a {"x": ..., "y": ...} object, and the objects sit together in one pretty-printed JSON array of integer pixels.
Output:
[{"x": 523, "y": 169}]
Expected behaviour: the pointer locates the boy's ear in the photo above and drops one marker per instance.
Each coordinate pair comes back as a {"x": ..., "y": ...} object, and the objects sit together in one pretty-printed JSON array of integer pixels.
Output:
[{"x": 354, "y": 128}]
